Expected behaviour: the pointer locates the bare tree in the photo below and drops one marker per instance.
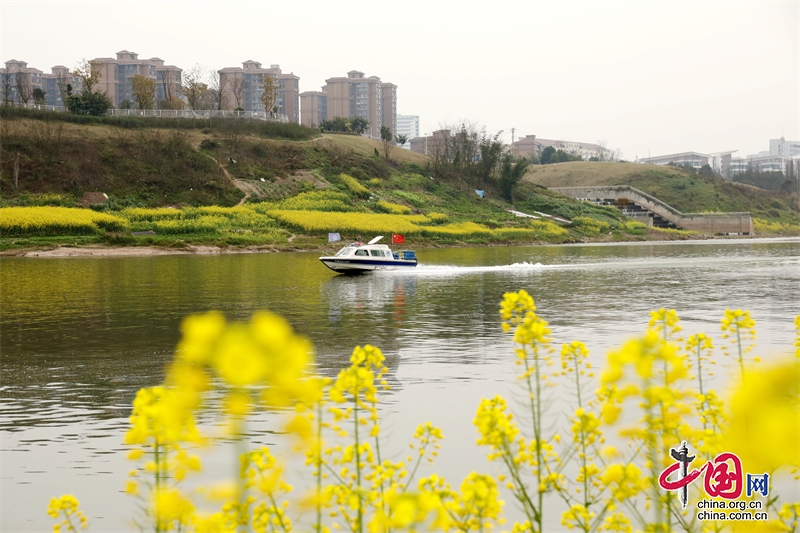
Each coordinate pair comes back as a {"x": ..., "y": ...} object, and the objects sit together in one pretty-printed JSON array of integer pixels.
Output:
[
  {"x": 22, "y": 83},
  {"x": 603, "y": 153},
  {"x": 143, "y": 91},
  {"x": 217, "y": 86},
  {"x": 193, "y": 86},
  {"x": 269, "y": 95},
  {"x": 64, "y": 87},
  {"x": 8, "y": 90},
  {"x": 170, "y": 86},
  {"x": 238, "y": 85}
]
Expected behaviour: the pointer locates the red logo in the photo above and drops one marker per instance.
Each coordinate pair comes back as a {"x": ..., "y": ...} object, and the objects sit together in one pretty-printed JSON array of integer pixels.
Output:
[{"x": 723, "y": 474}]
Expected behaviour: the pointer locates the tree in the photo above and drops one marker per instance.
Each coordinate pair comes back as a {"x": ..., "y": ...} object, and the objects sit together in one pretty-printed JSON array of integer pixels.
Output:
[
  {"x": 216, "y": 89},
  {"x": 143, "y": 91},
  {"x": 88, "y": 102},
  {"x": 24, "y": 89},
  {"x": 193, "y": 87},
  {"x": 388, "y": 141},
  {"x": 401, "y": 139},
  {"x": 510, "y": 175},
  {"x": 8, "y": 90},
  {"x": 269, "y": 93},
  {"x": 170, "y": 86},
  {"x": 125, "y": 104},
  {"x": 547, "y": 153},
  {"x": 359, "y": 125},
  {"x": 237, "y": 86},
  {"x": 39, "y": 96},
  {"x": 336, "y": 124},
  {"x": 64, "y": 86},
  {"x": 603, "y": 153},
  {"x": 90, "y": 73},
  {"x": 491, "y": 151}
]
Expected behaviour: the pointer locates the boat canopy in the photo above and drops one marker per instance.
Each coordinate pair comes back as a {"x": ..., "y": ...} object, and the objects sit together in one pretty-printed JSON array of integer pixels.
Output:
[{"x": 376, "y": 239}]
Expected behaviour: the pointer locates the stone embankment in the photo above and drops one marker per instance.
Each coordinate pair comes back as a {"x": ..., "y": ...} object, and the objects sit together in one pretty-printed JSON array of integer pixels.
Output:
[{"x": 652, "y": 208}]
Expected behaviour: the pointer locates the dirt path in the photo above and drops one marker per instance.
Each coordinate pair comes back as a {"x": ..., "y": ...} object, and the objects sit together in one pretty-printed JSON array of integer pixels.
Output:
[{"x": 242, "y": 185}]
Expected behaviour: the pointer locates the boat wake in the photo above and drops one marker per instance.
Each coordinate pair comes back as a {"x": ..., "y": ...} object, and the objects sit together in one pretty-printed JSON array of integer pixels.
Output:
[{"x": 446, "y": 270}]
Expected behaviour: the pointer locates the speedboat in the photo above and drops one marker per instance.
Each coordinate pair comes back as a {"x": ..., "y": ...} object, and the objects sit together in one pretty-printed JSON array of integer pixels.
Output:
[{"x": 359, "y": 257}]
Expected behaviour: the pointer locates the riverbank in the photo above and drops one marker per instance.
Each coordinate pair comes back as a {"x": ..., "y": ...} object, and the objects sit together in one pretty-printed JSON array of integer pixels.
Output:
[{"x": 308, "y": 244}]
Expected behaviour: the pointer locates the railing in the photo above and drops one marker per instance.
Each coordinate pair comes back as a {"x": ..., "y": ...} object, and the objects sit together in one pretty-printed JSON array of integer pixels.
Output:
[
  {"x": 169, "y": 113},
  {"x": 197, "y": 113}
]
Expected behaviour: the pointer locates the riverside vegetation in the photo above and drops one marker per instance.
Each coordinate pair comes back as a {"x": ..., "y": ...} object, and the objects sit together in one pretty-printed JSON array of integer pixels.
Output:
[
  {"x": 657, "y": 383},
  {"x": 169, "y": 183}
]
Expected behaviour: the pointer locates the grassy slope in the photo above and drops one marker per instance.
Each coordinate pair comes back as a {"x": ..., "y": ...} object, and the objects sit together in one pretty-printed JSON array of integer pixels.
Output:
[{"x": 682, "y": 190}]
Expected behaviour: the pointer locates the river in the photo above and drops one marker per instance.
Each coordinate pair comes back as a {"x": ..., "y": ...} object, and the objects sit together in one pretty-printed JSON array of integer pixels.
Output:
[{"x": 79, "y": 337}]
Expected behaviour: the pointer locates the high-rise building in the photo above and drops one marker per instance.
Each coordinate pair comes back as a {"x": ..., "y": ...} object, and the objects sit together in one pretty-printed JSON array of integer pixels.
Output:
[
  {"x": 243, "y": 87},
  {"x": 350, "y": 97},
  {"x": 314, "y": 107},
  {"x": 408, "y": 125},
  {"x": 116, "y": 74}
]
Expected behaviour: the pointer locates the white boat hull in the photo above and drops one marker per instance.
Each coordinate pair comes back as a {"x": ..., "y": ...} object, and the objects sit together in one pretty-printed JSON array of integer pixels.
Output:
[{"x": 366, "y": 264}]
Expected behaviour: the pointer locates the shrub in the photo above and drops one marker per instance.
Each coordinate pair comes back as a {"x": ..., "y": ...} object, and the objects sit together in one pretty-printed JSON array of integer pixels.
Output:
[
  {"x": 354, "y": 186},
  {"x": 395, "y": 209},
  {"x": 589, "y": 226}
]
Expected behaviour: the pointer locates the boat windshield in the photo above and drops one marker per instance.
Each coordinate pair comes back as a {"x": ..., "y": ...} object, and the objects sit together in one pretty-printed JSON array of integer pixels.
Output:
[{"x": 344, "y": 251}]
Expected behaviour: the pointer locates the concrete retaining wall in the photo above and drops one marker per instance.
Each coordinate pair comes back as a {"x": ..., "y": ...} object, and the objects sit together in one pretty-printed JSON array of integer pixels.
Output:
[{"x": 700, "y": 222}]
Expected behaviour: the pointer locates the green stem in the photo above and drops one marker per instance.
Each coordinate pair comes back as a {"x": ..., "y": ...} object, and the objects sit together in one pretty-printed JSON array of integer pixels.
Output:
[
  {"x": 318, "y": 525},
  {"x": 358, "y": 465},
  {"x": 739, "y": 345}
]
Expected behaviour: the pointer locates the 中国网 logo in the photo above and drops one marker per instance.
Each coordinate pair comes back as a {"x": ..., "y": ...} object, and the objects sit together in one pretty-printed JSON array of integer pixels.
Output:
[{"x": 724, "y": 478}]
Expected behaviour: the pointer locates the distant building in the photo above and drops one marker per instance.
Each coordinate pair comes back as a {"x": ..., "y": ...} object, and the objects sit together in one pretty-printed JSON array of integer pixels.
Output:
[
  {"x": 57, "y": 83},
  {"x": 431, "y": 145},
  {"x": 243, "y": 87},
  {"x": 720, "y": 162},
  {"x": 17, "y": 82},
  {"x": 408, "y": 125},
  {"x": 530, "y": 146},
  {"x": 782, "y": 147},
  {"x": 313, "y": 107},
  {"x": 353, "y": 96},
  {"x": 116, "y": 74}
]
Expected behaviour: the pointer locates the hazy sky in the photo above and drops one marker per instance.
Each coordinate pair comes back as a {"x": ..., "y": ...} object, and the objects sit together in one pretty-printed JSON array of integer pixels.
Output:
[{"x": 657, "y": 77}]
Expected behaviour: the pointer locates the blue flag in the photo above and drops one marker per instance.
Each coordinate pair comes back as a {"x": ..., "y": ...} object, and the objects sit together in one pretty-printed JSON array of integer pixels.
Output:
[{"x": 333, "y": 237}]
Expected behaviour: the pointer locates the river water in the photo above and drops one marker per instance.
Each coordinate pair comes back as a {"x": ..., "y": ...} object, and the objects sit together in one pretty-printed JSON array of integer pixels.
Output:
[{"x": 79, "y": 337}]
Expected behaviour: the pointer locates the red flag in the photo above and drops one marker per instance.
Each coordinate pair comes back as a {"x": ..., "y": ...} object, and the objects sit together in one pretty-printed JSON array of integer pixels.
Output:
[{"x": 398, "y": 239}]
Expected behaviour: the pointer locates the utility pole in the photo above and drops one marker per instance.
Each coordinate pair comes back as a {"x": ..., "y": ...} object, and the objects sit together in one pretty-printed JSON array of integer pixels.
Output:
[{"x": 512, "y": 140}]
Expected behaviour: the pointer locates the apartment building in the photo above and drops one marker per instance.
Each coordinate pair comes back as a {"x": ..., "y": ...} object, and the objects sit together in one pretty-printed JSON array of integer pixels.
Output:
[
  {"x": 408, "y": 125},
  {"x": 353, "y": 96},
  {"x": 18, "y": 80},
  {"x": 530, "y": 146},
  {"x": 57, "y": 83},
  {"x": 116, "y": 74},
  {"x": 243, "y": 87},
  {"x": 313, "y": 107}
]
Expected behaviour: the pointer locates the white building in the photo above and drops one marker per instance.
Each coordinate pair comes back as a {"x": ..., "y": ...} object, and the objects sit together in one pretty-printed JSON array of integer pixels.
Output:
[
  {"x": 784, "y": 148},
  {"x": 408, "y": 125}
]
